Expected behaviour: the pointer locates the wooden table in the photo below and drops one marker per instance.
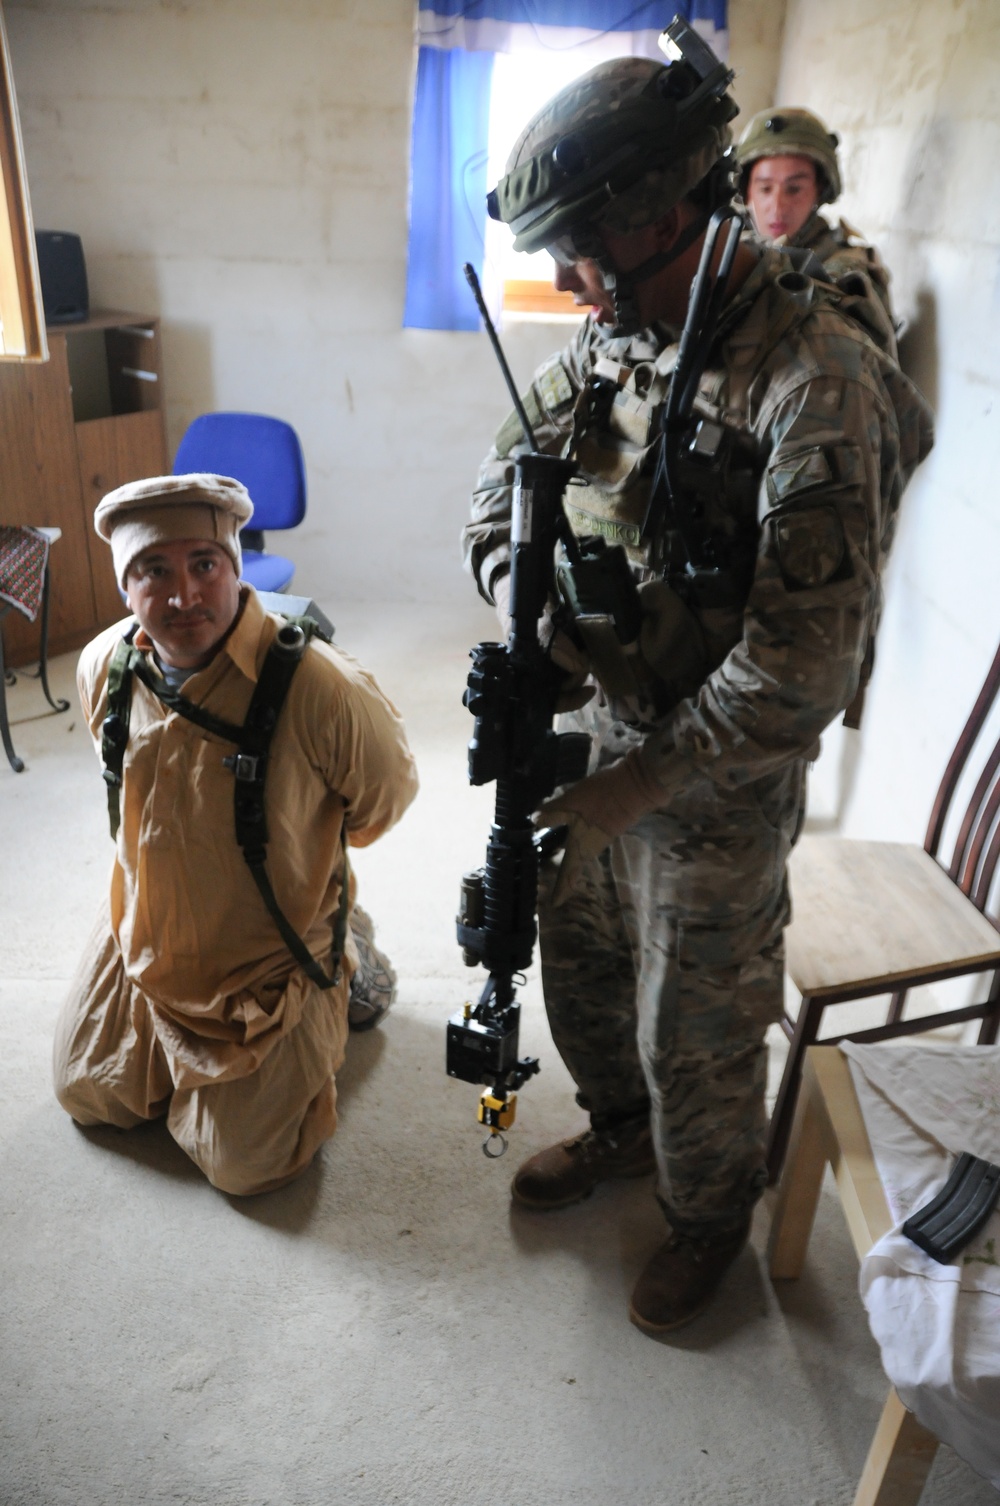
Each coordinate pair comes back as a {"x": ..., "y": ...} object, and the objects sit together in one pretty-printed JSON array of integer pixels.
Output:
[{"x": 829, "y": 1128}]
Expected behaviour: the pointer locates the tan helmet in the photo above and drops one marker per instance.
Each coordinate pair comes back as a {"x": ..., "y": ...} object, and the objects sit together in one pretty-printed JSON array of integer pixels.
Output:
[
  {"x": 620, "y": 147},
  {"x": 611, "y": 148},
  {"x": 791, "y": 133}
]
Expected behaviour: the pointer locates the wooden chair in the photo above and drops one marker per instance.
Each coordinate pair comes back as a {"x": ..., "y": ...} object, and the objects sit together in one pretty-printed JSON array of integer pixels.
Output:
[{"x": 873, "y": 918}]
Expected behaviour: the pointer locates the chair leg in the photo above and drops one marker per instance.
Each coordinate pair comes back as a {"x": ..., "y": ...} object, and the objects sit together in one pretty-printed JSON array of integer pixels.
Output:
[
  {"x": 798, "y": 1195},
  {"x": 896, "y": 1006},
  {"x": 806, "y": 1030},
  {"x": 17, "y": 764},
  {"x": 988, "y": 1029},
  {"x": 899, "y": 1459}
]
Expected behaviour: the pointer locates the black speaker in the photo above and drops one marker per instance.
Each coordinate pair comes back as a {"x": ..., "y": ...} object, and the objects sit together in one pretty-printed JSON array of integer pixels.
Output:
[{"x": 63, "y": 276}]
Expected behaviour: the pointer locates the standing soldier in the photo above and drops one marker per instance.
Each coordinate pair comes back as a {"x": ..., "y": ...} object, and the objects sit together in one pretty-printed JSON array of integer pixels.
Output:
[
  {"x": 661, "y": 928},
  {"x": 788, "y": 168}
]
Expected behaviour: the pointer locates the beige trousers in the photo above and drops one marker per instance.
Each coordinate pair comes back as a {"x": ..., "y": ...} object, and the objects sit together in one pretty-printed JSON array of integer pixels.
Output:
[{"x": 249, "y": 1133}]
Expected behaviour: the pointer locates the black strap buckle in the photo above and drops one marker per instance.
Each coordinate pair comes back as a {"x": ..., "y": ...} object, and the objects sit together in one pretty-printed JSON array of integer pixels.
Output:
[{"x": 243, "y": 765}]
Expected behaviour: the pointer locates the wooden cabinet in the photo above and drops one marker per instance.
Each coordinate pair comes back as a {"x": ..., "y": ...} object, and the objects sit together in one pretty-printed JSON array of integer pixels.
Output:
[{"x": 71, "y": 430}]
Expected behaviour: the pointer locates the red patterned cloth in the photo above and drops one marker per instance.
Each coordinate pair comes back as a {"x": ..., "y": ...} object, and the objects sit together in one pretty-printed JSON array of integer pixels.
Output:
[{"x": 24, "y": 553}]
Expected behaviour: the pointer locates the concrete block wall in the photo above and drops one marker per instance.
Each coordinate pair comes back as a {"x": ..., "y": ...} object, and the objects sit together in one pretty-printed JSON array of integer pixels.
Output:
[{"x": 911, "y": 86}]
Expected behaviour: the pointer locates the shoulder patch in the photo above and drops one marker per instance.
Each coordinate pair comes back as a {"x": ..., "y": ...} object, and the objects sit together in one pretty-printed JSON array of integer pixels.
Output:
[
  {"x": 510, "y": 432},
  {"x": 554, "y": 386},
  {"x": 798, "y": 472},
  {"x": 817, "y": 465},
  {"x": 810, "y": 546}
]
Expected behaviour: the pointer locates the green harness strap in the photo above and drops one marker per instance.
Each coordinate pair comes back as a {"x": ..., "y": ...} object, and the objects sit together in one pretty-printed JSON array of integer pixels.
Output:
[{"x": 248, "y": 763}]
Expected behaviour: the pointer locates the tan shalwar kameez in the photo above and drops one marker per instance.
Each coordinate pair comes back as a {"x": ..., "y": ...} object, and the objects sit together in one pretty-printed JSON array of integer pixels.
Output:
[{"x": 187, "y": 1003}]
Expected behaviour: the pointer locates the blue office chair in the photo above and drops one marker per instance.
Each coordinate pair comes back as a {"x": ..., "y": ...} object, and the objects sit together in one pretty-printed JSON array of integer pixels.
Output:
[{"x": 265, "y": 454}]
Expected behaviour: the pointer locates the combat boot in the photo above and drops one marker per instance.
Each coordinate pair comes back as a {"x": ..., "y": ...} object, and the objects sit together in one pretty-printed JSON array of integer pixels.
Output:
[
  {"x": 373, "y": 986},
  {"x": 571, "y": 1170},
  {"x": 682, "y": 1277}
]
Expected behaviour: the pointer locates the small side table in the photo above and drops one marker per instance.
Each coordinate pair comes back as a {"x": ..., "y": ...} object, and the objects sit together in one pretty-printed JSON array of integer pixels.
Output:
[
  {"x": 6, "y": 676},
  {"x": 829, "y": 1127}
]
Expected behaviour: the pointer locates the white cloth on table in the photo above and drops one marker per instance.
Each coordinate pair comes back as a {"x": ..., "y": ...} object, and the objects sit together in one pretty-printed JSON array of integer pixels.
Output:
[{"x": 938, "y": 1326}]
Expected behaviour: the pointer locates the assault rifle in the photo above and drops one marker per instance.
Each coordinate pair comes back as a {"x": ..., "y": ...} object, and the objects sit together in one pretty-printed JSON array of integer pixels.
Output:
[
  {"x": 512, "y": 688},
  {"x": 512, "y": 691}
]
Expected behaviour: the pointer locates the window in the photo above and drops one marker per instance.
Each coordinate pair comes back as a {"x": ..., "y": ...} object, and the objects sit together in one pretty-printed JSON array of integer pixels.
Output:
[
  {"x": 519, "y": 284},
  {"x": 483, "y": 67},
  {"x": 22, "y": 322}
]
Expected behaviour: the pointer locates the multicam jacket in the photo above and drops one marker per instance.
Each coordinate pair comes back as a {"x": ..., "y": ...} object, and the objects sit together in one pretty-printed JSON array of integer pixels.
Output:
[
  {"x": 850, "y": 261},
  {"x": 842, "y": 250},
  {"x": 837, "y": 430}
]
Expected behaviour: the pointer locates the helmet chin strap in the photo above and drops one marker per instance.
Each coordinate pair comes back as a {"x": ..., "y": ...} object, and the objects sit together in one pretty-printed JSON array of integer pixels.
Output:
[{"x": 623, "y": 286}]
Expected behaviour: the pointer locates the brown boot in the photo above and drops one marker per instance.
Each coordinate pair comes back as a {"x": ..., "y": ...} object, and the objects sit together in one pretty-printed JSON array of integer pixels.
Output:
[
  {"x": 571, "y": 1170},
  {"x": 681, "y": 1279}
]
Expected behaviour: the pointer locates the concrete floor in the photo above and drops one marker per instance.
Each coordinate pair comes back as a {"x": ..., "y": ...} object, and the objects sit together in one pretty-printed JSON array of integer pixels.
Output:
[{"x": 387, "y": 1329}]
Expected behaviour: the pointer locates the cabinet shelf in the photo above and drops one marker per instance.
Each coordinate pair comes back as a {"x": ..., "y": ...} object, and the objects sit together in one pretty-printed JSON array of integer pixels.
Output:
[{"x": 88, "y": 420}]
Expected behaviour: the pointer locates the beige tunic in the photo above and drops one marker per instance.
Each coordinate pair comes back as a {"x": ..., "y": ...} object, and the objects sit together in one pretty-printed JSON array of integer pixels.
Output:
[{"x": 187, "y": 1001}]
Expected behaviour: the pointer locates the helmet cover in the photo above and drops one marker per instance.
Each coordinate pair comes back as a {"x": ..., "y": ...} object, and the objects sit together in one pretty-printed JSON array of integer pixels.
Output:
[
  {"x": 791, "y": 133},
  {"x": 619, "y": 146}
]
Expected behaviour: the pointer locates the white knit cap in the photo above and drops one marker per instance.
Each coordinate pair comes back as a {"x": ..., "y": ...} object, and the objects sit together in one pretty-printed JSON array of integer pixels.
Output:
[{"x": 160, "y": 509}]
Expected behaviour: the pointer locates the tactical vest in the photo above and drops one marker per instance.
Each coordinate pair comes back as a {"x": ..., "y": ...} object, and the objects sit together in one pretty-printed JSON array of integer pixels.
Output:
[
  {"x": 704, "y": 545},
  {"x": 713, "y": 520},
  {"x": 858, "y": 272},
  {"x": 249, "y": 764}
]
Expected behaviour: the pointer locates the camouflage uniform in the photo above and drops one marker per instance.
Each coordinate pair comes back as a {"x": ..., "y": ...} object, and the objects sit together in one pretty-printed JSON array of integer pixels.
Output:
[
  {"x": 855, "y": 267},
  {"x": 664, "y": 970},
  {"x": 843, "y": 251}
]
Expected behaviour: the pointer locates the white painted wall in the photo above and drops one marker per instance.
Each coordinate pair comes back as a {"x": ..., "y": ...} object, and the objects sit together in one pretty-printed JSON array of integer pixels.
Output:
[
  {"x": 913, "y": 88},
  {"x": 240, "y": 167},
  {"x": 756, "y": 28}
]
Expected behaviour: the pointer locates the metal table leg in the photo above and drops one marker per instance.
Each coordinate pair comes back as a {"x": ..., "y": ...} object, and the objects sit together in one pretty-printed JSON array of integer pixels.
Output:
[
  {"x": 43, "y": 653},
  {"x": 17, "y": 764}
]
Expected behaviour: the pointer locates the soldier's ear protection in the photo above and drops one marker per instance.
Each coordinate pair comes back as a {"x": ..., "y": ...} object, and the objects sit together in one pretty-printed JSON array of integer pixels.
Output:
[{"x": 572, "y": 180}]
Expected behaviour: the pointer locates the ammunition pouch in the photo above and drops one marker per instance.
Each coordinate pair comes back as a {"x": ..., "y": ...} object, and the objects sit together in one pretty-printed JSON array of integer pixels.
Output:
[{"x": 671, "y": 643}]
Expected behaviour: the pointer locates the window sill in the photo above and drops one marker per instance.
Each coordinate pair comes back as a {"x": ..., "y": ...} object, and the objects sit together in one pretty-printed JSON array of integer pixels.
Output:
[{"x": 539, "y": 301}]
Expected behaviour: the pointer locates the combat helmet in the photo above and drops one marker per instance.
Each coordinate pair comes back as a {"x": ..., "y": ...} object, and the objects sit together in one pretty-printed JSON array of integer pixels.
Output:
[
  {"x": 619, "y": 147},
  {"x": 791, "y": 133}
]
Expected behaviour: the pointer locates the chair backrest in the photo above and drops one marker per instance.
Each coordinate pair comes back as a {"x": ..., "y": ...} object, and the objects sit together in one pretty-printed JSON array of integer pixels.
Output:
[
  {"x": 264, "y": 453},
  {"x": 977, "y": 847}
]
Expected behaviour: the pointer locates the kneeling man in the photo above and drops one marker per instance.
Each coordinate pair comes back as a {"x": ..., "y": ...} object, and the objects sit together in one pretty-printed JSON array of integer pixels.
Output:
[{"x": 239, "y": 766}]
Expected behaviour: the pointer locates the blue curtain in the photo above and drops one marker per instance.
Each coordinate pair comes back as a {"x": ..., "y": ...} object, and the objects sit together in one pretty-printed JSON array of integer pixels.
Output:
[
  {"x": 596, "y": 15},
  {"x": 451, "y": 115},
  {"x": 451, "y": 127}
]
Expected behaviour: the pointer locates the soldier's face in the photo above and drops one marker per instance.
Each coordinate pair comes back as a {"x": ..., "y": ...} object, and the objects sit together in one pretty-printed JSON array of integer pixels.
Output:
[
  {"x": 186, "y": 596},
  {"x": 582, "y": 277},
  {"x": 781, "y": 195}
]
